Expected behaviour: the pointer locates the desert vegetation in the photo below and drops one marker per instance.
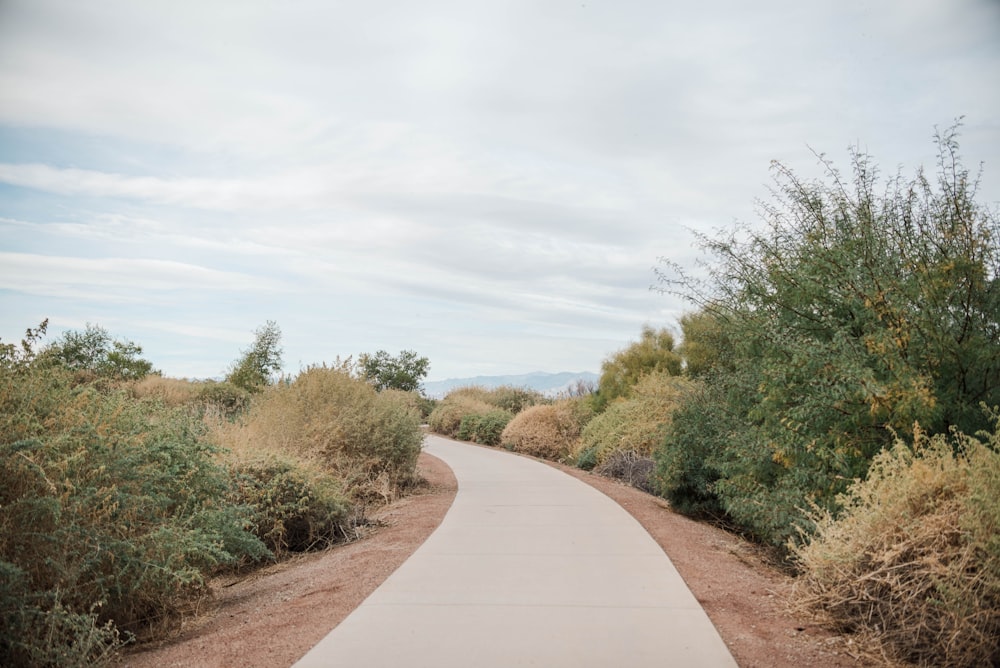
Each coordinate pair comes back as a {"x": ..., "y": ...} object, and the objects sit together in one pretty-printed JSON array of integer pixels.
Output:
[
  {"x": 834, "y": 395},
  {"x": 125, "y": 492}
]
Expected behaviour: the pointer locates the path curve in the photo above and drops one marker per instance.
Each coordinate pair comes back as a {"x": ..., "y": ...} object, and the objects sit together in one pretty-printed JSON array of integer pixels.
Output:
[{"x": 530, "y": 567}]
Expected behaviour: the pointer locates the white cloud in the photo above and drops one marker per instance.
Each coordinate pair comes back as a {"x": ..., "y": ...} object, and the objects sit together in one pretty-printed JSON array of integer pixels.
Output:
[
  {"x": 386, "y": 174},
  {"x": 116, "y": 278}
]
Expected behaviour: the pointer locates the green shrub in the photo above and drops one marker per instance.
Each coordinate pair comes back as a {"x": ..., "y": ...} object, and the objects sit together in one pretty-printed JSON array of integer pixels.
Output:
[
  {"x": 446, "y": 418},
  {"x": 110, "y": 517},
  {"x": 514, "y": 399},
  {"x": 227, "y": 398},
  {"x": 293, "y": 508},
  {"x": 549, "y": 431},
  {"x": 686, "y": 459},
  {"x": 913, "y": 560},
  {"x": 636, "y": 424},
  {"x": 653, "y": 353},
  {"x": 484, "y": 428}
]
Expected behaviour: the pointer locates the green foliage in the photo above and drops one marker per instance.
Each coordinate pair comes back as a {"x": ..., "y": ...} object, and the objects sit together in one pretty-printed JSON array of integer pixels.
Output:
[
  {"x": 653, "y": 352},
  {"x": 514, "y": 399},
  {"x": 913, "y": 560},
  {"x": 293, "y": 508},
  {"x": 634, "y": 424},
  {"x": 484, "y": 428},
  {"x": 403, "y": 372},
  {"x": 257, "y": 364},
  {"x": 110, "y": 516},
  {"x": 231, "y": 400},
  {"x": 703, "y": 347},
  {"x": 93, "y": 351},
  {"x": 853, "y": 312}
]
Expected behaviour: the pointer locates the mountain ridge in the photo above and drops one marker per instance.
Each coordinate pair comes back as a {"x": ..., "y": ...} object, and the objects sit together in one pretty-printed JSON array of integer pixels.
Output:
[{"x": 547, "y": 383}]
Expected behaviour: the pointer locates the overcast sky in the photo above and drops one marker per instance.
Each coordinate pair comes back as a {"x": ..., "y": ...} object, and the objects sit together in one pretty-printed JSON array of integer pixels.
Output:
[{"x": 487, "y": 183}]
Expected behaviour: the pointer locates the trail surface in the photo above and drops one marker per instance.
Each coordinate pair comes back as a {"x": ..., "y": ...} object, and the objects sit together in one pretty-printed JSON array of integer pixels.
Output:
[{"x": 530, "y": 567}]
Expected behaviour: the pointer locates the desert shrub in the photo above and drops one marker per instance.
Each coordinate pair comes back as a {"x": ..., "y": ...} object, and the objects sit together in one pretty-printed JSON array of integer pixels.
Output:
[
  {"x": 224, "y": 397},
  {"x": 368, "y": 440},
  {"x": 230, "y": 400},
  {"x": 95, "y": 355},
  {"x": 465, "y": 402},
  {"x": 630, "y": 467},
  {"x": 860, "y": 306},
  {"x": 686, "y": 459},
  {"x": 169, "y": 391},
  {"x": 913, "y": 560},
  {"x": 111, "y": 517},
  {"x": 514, "y": 399},
  {"x": 484, "y": 428},
  {"x": 620, "y": 373},
  {"x": 549, "y": 431},
  {"x": 636, "y": 424},
  {"x": 293, "y": 506},
  {"x": 446, "y": 418}
]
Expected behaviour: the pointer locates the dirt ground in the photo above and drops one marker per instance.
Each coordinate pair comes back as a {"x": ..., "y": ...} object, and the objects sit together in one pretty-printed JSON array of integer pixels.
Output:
[{"x": 274, "y": 615}]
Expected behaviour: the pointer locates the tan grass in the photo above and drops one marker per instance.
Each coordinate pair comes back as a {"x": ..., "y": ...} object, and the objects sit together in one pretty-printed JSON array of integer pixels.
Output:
[
  {"x": 549, "y": 431},
  {"x": 913, "y": 562}
]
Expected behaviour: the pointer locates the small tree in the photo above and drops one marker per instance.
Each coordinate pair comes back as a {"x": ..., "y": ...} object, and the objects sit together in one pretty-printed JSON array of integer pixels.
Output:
[
  {"x": 258, "y": 363},
  {"x": 384, "y": 372},
  {"x": 94, "y": 350},
  {"x": 653, "y": 352}
]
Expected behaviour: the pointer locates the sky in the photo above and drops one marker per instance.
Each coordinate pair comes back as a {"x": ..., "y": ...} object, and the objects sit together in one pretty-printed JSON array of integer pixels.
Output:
[{"x": 487, "y": 183}]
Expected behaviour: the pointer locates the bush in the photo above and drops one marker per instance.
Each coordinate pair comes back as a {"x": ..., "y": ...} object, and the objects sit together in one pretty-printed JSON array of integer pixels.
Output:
[
  {"x": 293, "y": 507},
  {"x": 368, "y": 440},
  {"x": 446, "y": 418},
  {"x": 636, "y": 424},
  {"x": 859, "y": 308},
  {"x": 230, "y": 400},
  {"x": 110, "y": 517},
  {"x": 652, "y": 353},
  {"x": 549, "y": 431},
  {"x": 630, "y": 467},
  {"x": 514, "y": 399},
  {"x": 686, "y": 459},
  {"x": 484, "y": 428},
  {"x": 914, "y": 558}
]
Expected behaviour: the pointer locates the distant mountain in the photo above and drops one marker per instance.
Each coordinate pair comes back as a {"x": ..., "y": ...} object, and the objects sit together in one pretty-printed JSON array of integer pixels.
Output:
[{"x": 549, "y": 384}]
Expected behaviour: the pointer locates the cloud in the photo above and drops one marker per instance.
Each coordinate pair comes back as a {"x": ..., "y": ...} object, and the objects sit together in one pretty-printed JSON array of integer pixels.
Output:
[
  {"x": 389, "y": 174},
  {"x": 116, "y": 278}
]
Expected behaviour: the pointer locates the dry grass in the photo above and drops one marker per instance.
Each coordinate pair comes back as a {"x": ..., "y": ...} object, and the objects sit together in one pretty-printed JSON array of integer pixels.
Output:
[
  {"x": 446, "y": 418},
  {"x": 548, "y": 431},
  {"x": 171, "y": 391},
  {"x": 913, "y": 562},
  {"x": 327, "y": 418}
]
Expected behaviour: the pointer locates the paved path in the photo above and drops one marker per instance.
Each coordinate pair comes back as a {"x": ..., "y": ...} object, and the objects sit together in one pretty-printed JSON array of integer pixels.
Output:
[{"x": 530, "y": 567}]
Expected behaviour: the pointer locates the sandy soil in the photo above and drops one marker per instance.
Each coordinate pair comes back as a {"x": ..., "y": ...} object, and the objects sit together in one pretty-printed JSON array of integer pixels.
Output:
[{"x": 272, "y": 616}]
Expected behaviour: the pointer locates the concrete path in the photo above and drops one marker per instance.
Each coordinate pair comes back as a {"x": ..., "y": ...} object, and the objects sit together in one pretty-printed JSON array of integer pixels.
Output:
[{"x": 530, "y": 567}]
